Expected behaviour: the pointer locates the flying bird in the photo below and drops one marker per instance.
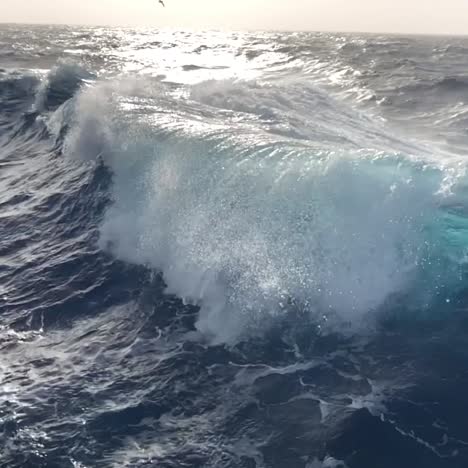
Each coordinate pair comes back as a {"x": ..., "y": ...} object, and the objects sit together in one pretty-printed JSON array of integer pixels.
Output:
[{"x": 162, "y": 3}]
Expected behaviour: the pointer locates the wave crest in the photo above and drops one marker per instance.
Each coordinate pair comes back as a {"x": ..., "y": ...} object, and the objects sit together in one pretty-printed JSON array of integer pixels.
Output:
[
  {"x": 61, "y": 84},
  {"x": 249, "y": 225}
]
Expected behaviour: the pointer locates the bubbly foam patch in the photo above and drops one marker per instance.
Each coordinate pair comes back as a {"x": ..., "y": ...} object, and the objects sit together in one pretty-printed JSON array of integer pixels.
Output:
[{"x": 250, "y": 224}]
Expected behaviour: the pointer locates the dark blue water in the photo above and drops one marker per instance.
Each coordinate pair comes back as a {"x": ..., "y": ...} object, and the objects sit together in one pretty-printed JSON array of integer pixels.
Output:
[{"x": 232, "y": 249}]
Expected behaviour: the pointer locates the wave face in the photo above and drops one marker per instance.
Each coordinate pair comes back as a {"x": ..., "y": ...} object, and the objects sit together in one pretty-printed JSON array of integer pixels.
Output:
[
  {"x": 250, "y": 215},
  {"x": 232, "y": 249}
]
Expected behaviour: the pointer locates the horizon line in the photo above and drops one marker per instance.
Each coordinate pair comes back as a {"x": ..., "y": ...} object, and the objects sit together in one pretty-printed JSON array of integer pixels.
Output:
[{"x": 273, "y": 30}]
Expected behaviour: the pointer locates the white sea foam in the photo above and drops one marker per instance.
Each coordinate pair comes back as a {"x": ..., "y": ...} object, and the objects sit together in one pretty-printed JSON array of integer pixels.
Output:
[{"x": 249, "y": 222}]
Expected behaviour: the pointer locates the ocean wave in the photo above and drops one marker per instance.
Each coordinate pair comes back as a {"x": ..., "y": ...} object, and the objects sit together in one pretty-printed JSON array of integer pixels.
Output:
[
  {"x": 250, "y": 225},
  {"x": 444, "y": 84},
  {"x": 61, "y": 83},
  {"x": 17, "y": 93}
]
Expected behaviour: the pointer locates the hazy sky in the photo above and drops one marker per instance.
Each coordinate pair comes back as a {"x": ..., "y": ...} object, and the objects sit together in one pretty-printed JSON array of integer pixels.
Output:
[{"x": 411, "y": 16}]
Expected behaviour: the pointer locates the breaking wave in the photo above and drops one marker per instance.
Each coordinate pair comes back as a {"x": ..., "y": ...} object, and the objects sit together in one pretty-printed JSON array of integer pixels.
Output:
[{"x": 286, "y": 201}]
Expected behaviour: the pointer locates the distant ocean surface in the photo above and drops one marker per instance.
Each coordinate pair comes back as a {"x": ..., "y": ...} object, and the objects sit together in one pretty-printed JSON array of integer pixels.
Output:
[{"x": 232, "y": 249}]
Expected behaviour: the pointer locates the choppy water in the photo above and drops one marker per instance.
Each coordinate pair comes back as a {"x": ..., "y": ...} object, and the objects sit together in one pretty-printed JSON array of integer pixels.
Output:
[{"x": 232, "y": 249}]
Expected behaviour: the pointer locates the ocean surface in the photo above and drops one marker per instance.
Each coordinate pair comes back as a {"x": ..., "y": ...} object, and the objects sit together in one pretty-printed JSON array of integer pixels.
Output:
[{"x": 232, "y": 249}]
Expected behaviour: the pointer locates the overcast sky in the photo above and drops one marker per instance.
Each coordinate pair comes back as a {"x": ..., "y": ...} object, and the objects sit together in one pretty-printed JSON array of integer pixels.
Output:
[{"x": 409, "y": 16}]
